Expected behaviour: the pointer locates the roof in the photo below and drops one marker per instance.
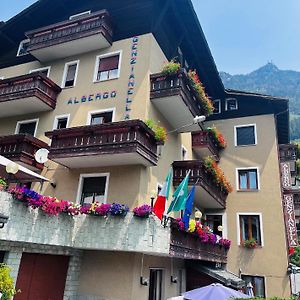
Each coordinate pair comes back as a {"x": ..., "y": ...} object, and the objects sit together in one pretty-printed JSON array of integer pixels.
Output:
[
  {"x": 226, "y": 277},
  {"x": 174, "y": 24}
]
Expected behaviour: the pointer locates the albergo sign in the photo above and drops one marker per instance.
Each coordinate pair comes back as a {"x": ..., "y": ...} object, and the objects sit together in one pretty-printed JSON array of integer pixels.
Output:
[{"x": 92, "y": 97}]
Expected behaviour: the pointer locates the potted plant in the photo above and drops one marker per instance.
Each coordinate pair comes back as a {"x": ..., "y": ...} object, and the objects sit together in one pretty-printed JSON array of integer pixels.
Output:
[
  {"x": 171, "y": 68},
  {"x": 7, "y": 288},
  {"x": 159, "y": 131},
  {"x": 250, "y": 243},
  {"x": 118, "y": 210},
  {"x": 3, "y": 184},
  {"x": 207, "y": 104},
  {"x": 143, "y": 211}
]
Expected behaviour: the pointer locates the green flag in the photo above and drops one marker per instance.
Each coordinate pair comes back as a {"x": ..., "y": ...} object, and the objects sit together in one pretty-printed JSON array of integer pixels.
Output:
[{"x": 180, "y": 195}]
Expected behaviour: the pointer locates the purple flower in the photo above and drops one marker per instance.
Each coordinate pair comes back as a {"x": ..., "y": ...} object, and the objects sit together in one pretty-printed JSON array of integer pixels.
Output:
[
  {"x": 142, "y": 211},
  {"x": 118, "y": 209}
]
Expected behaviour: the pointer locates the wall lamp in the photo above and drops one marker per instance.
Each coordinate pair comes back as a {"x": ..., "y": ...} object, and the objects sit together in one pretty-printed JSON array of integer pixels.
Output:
[
  {"x": 3, "y": 220},
  {"x": 144, "y": 281},
  {"x": 196, "y": 120}
]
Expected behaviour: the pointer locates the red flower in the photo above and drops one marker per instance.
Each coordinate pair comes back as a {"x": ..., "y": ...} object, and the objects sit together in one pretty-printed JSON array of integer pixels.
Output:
[{"x": 291, "y": 251}]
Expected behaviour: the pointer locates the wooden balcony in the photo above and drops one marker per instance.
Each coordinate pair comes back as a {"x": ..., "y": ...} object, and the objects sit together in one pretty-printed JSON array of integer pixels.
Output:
[
  {"x": 177, "y": 101},
  {"x": 203, "y": 145},
  {"x": 71, "y": 37},
  {"x": 111, "y": 144},
  {"x": 208, "y": 194},
  {"x": 26, "y": 94},
  {"x": 288, "y": 152},
  {"x": 188, "y": 246},
  {"x": 21, "y": 148}
]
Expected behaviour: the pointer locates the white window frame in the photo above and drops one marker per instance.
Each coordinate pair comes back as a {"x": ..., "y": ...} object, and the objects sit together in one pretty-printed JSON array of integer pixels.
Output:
[
  {"x": 88, "y": 175},
  {"x": 245, "y": 125},
  {"x": 224, "y": 222},
  {"x": 55, "y": 122},
  {"x": 99, "y": 111},
  {"x": 257, "y": 275},
  {"x": 87, "y": 12},
  {"x": 237, "y": 179},
  {"x": 25, "y": 122},
  {"x": 63, "y": 82},
  {"x": 259, "y": 214},
  {"x": 20, "y": 47},
  {"x": 99, "y": 57},
  {"x": 219, "y": 101},
  {"x": 163, "y": 280},
  {"x": 226, "y": 106},
  {"x": 41, "y": 69}
]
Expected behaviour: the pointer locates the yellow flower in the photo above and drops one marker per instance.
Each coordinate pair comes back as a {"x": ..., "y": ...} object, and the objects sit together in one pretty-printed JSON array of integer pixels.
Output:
[{"x": 192, "y": 226}]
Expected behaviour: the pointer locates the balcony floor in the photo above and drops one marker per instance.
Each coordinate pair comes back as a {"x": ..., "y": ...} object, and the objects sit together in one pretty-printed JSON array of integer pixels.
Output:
[
  {"x": 73, "y": 47},
  {"x": 102, "y": 160},
  {"x": 181, "y": 115},
  {"x": 22, "y": 106}
]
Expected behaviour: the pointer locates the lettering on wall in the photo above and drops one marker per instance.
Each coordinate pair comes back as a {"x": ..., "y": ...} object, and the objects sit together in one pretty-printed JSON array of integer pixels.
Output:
[
  {"x": 285, "y": 175},
  {"x": 92, "y": 97},
  {"x": 131, "y": 80},
  {"x": 290, "y": 221}
]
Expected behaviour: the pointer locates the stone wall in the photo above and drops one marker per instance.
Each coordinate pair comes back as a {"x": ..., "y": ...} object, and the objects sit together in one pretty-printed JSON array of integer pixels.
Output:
[{"x": 82, "y": 232}]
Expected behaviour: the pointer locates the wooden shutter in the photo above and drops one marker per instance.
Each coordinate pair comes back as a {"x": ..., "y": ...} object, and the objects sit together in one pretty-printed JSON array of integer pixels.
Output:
[{"x": 109, "y": 63}]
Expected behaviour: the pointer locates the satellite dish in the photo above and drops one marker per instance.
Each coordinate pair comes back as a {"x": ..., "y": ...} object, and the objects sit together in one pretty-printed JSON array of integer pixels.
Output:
[{"x": 41, "y": 156}]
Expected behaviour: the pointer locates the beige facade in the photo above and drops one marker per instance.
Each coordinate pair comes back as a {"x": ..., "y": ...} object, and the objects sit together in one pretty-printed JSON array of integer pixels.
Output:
[
  {"x": 269, "y": 261},
  {"x": 102, "y": 271}
]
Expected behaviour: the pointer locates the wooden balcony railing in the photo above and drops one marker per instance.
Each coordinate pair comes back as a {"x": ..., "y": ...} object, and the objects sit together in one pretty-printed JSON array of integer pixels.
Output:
[
  {"x": 22, "y": 148},
  {"x": 288, "y": 152},
  {"x": 125, "y": 137},
  {"x": 200, "y": 177},
  {"x": 188, "y": 246},
  {"x": 27, "y": 86},
  {"x": 203, "y": 140},
  {"x": 97, "y": 23},
  {"x": 177, "y": 84}
]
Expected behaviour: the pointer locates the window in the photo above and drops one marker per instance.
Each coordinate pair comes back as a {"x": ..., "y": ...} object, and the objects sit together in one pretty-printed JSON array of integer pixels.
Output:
[
  {"x": 217, "y": 107},
  {"x": 80, "y": 15},
  {"x": 245, "y": 135},
  {"x": 107, "y": 67},
  {"x": 214, "y": 221},
  {"x": 27, "y": 127},
  {"x": 248, "y": 179},
  {"x": 258, "y": 284},
  {"x": 156, "y": 284},
  {"x": 183, "y": 153},
  {"x": 70, "y": 74},
  {"x": 100, "y": 117},
  {"x": 61, "y": 122},
  {"x": 45, "y": 71},
  {"x": 22, "y": 50},
  {"x": 250, "y": 228},
  {"x": 92, "y": 188},
  {"x": 231, "y": 104},
  {"x": 2, "y": 254}
]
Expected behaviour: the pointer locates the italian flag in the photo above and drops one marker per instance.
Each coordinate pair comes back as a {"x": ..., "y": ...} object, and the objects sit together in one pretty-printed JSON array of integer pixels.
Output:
[{"x": 160, "y": 203}]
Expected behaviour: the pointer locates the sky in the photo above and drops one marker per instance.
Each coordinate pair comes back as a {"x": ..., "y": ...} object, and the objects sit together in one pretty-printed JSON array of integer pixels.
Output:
[{"x": 242, "y": 35}]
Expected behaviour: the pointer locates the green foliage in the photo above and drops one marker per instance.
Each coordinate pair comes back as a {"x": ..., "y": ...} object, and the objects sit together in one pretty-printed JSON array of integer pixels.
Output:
[
  {"x": 251, "y": 243},
  {"x": 6, "y": 283},
  {"x": 171, "y": 67},
  {"x": 3, "y": 182},
  {"x": 160, "y": 132},
  {"x": 295, "y": 258}
]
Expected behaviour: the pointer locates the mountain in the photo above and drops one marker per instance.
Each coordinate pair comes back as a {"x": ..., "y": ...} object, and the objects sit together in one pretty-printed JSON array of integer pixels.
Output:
[{"x": 272, "y": 81}]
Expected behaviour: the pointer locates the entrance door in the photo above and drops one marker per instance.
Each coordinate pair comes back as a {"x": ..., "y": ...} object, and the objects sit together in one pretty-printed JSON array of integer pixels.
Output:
[{"x": 42, "y": 277}]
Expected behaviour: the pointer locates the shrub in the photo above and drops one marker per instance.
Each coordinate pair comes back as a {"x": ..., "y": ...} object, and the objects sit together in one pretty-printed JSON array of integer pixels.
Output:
[
  {"x": 159, "y": 131},
  {"x": 7, "y": 287},
  {"x": 171, "y": 68}
]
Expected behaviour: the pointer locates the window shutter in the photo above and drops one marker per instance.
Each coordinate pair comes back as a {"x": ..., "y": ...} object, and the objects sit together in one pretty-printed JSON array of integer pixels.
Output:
[
  {"x": 71, "y": 72},
  {"x": 109, "y": 63}
]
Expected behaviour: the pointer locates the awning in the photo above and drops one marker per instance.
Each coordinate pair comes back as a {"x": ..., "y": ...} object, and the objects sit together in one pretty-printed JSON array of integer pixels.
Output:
[
  {"x": 23, "y": 175},
  {"x": 227, "y": 278}
]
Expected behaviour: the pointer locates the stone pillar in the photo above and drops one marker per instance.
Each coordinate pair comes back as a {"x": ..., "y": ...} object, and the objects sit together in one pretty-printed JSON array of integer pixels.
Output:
[
  {"x": 13, "y": 259},
  {"x": 72, "y": 281}
]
